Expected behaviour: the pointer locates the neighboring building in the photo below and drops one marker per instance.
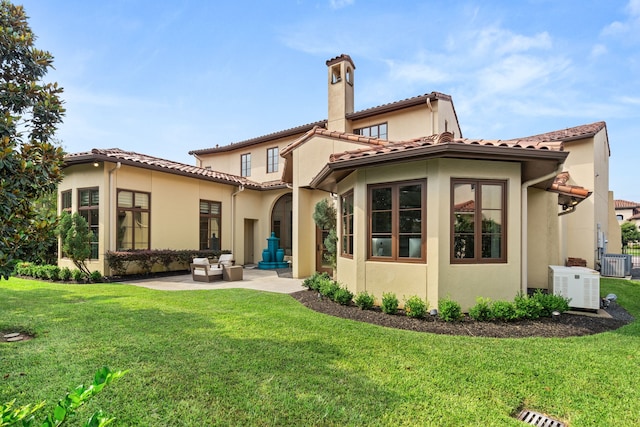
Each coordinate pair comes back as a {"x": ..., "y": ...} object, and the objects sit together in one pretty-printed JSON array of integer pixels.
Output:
[
  {"x": 627, "y": 211},
  {"x": 422, "y": 210}
]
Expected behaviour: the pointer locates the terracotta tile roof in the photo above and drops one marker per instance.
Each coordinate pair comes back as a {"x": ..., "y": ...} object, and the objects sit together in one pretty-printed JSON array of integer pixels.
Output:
[
  {"x": 159, "y": 164},
  {"x": 340, "y": 58},
  {"x": 257, "y": 140},
  {"x": 320, "y": 131},
  {"x": 383, "y": 147},
  {"x": 398, "y": 105},
  {"x": 625, "y": 204},
  {"x": 468, "y": 206},
  {"x": 564, "y": 135},
  {"x": 560, "y": 186}
]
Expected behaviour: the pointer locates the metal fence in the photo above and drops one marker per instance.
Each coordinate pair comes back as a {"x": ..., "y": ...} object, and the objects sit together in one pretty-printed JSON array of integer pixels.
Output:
[{"x": 635, "y": 255}]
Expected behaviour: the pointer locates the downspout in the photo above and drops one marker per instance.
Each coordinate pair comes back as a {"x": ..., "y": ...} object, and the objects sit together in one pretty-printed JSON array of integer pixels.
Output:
[
  {"x": 112, "y": 207},
  {"x": 524, "y": 214},
  {"x": 233, "y": 217},
  {"x": 433, "y": 131},
  {"x": 199, "y": 160}
]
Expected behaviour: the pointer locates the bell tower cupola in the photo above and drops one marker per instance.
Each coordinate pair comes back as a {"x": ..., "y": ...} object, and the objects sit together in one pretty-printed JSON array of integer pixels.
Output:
[{"x": 340, "y": 82}]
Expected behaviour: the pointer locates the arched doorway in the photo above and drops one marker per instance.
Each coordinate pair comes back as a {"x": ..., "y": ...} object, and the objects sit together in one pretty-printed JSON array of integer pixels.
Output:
[{"x": 282, "y": 222}]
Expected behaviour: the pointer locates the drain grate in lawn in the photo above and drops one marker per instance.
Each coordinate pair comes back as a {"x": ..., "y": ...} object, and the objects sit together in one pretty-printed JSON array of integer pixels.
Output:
[{"x": 537, "y": 419}]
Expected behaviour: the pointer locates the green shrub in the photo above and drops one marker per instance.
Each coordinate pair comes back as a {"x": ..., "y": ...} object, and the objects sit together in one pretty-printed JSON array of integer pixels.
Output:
[
  {"x": 78, "y": 275},
  {"x": 389, "y": 303},
  {"x": 39, "y": 272},
  {"x": 65, "y": 274},
  {"x": 23, "y": 268},
  {"x": 52, "y": 272},
  {"x": 96, "y": 276},
  {"x": 482, "y": 310},
  {"x": 550, "y": 303},
  {"x": 415, "y": 307},
  {"x": 343, "y": 296},
  {"x": 365, "y": 300},
  {"x": 328, "y": 288},
  {"x": 503, "y": 310},
  {"x": 449, "y": 310},
  {"x": 314, "y": 281},
  {"x": 527, "y": 308}
]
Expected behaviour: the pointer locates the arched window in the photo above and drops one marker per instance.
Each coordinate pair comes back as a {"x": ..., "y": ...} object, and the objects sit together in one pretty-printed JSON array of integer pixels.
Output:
[{"x": 282, "y": 222}]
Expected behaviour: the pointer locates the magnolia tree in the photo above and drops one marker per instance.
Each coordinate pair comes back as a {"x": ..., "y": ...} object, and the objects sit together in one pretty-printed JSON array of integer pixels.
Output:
[{"x": 30, "y": 112}]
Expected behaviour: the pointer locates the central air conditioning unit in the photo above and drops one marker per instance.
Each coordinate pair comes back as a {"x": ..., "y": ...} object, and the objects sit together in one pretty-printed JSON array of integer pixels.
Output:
[
  {"x": 580, "y": 284},
  {"x": 616, "y": 265}
]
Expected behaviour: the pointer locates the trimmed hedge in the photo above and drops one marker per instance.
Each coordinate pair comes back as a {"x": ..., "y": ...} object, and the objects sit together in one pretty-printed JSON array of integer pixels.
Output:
[{"x": 161, "y": 259}]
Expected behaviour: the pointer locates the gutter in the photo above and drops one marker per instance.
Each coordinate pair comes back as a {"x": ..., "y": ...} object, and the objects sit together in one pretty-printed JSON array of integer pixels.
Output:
[
  {"x": 524, "y": 214},
  {"x": 233, "y": 218}
]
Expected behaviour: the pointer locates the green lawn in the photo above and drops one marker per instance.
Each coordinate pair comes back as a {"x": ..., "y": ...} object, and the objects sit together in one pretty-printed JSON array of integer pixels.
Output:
[{"x": 240, "y": 357}]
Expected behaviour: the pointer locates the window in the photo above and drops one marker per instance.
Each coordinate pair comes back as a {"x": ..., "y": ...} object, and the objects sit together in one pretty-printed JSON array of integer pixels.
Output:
[
  {"x": 272, "y": 160},
  {"x": 375, "y": 131},
  {"x": 245, "y": 164},
  {"x": 134, "y": 214},
  {"x": 478, "y": 218},
  {"x": 397, "y": 227},
  {"x": 65, "y": 201},
  {"x": 210, "y": 223},
  {"x": 619, "y": 217},
  {"x": 347, "y": 224},
  {"x": 89, "y": 209}
]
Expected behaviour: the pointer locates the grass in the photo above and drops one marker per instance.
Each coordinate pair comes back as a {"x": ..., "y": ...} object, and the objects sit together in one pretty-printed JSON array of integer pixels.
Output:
[{"x": 240, "y": 357}]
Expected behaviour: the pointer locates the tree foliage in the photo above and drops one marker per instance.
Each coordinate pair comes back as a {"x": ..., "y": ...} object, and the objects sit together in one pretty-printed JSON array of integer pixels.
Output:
[
  {"x": 76, "y": 239},
  {"x": 325, "y": 217},
  {"x": 30, "y": 111},
  {"x": 630, "y": 233}
]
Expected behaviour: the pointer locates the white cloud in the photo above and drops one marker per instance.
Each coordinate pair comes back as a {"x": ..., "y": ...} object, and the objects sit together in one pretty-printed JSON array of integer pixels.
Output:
[
  {"x": 497, "y": 41},
  {"x": 416, "y": 72},
  {"x": 630, "y": 27},
  {"x": 598, "y": 50}
]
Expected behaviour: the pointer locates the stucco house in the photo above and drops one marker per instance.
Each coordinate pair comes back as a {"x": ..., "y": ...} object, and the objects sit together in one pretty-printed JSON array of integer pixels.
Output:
[
  {"x": 422, "y": 210},
  {"x": 627, "y": 211}
]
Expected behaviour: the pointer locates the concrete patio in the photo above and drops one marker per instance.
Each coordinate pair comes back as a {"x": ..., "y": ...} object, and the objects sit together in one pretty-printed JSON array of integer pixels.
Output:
[{"x": 253, "y": 278}]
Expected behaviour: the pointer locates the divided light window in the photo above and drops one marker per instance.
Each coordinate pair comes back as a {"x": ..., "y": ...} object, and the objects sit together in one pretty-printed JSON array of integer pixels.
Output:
[
  {"x": 65, "y": 201},
  {"x": 478, "y": 221},
  {"x": 89, "y": 209},
  {"x": 346, "y": 209},
  {"x": 210, "y": 222},
  {"x": 397, "y": 221},
  {"x": 245, "y": 165},
  {"x": 134, "y": 215},
  {"x": 375, "y": 131},
  {"x": 272, "y": 160}
]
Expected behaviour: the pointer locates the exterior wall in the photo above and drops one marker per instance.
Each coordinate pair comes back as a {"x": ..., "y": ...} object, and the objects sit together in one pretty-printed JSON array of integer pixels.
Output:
[
  {"x": 229, "y": 161},
  {"x": 437, "y": 278},
  {"x": 415, "y": 122},
  {"x": 614, "y": 244},
  {"x": 543, "y": 236},
  {"x": 588, "y": 164},
  {"x": 87, "y": 176}
]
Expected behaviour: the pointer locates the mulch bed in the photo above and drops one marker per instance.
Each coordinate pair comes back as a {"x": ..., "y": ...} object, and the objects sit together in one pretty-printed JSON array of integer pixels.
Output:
[{"x": 568, "y": 325}]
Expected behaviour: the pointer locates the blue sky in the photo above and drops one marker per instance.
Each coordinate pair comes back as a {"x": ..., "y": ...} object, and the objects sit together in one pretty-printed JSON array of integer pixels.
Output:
[{"x": 165, "y": 77}]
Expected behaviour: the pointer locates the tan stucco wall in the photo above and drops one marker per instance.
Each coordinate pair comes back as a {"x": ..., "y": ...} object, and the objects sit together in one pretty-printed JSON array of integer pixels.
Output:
[
  {"x": 80, "y": 177},
  {"x": 588, "y": 164},
  {"x": 229, "y": 161},
  {"x": 437, "y": 278},
  {"x": 614, "y": 244},
  {"x": 543, "y": 236}
]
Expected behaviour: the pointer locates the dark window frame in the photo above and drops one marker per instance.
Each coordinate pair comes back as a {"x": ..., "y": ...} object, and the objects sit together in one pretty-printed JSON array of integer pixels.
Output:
[
  {"x": 206, "y": 245},
  {"x": 86, "y": 211},
  {"x": 66, "y": 203},
  {"x": 272, "y": 159},
  {"x": 346, "y": 225},
  {"x": 134, "y": 210},
  {"x": 245, "y": 164},
  {"x": 374, "y": 131},
  {"x": 478, "y": 229},
  {"x": 395, "y": 233}
]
